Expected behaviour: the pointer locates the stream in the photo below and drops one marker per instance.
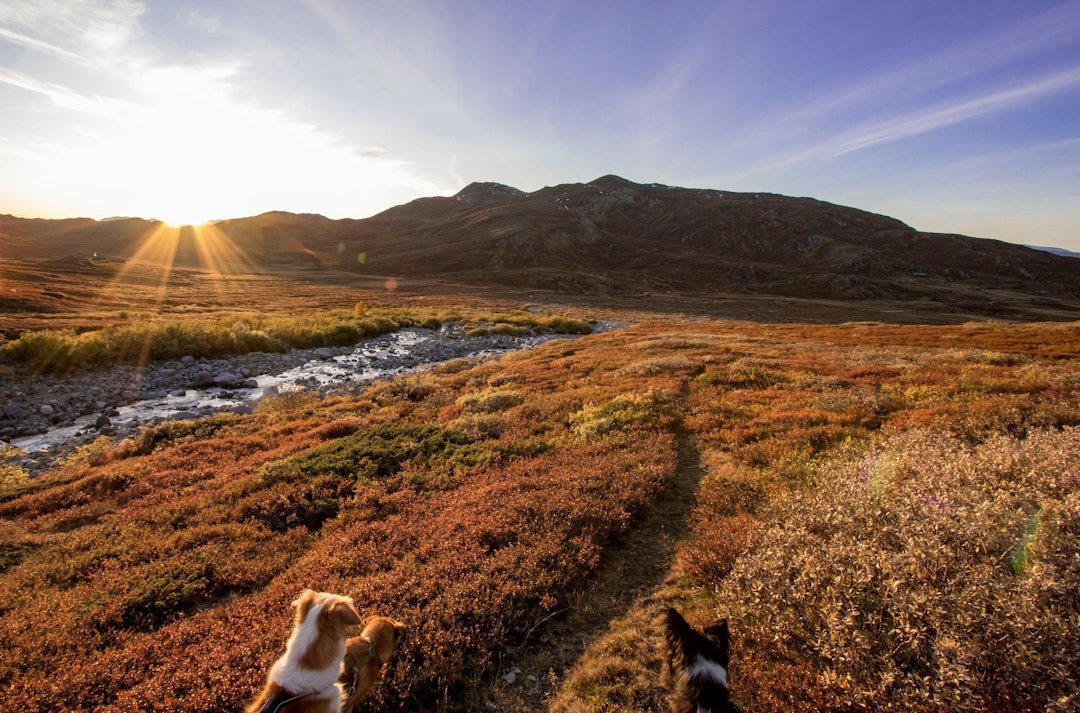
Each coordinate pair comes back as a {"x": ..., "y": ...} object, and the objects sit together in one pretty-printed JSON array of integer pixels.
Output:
[{"x": 52, "y": 416}]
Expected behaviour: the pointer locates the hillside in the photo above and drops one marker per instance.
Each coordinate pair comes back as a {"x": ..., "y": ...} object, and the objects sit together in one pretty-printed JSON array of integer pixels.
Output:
[
  {"x": 612, "y": 238},
  {"x": 875, "y": 508}
]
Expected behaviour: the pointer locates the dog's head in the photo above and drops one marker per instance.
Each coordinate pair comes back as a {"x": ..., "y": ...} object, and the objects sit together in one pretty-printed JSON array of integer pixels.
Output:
[
  {"x": 333, "y": 613},
  {"x": 698, "y": 664},
  {"x": 384, "y": 634}
]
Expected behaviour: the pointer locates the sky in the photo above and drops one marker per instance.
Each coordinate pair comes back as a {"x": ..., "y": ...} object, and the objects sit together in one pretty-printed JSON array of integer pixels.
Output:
[{"x": 959, "y": 116}]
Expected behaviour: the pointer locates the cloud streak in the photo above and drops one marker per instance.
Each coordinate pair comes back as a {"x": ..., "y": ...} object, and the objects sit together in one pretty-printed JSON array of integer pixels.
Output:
[
  {"x": 35, "y": 44},
  {"x": 919, "y": 122},
  {"x": 1054, "y": 28},
  {"x": 67, "y": 98},
  {"x": 98, "y": 24}
]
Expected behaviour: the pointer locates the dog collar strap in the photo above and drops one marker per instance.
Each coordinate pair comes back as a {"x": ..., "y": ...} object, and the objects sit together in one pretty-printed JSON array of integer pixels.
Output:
[
  {"x": 267, "y": 709},
  {"x": 370, "y": 652},
  {"x": 357, "y": 665}
]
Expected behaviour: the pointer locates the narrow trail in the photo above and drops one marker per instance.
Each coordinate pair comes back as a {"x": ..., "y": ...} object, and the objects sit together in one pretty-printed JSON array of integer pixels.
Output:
[{"x": 620, "y": 608}]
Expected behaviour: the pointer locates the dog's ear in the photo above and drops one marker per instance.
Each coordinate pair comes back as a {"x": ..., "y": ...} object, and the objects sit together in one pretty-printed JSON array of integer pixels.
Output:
[
  {"x": 675, "y": 627},
  {"x": 303, "y": 604},
  {"x": 306, "y": 596},
  {"x": 345, "y": 612},
  {"x": 718, "y": 631},
  {"x": 718, "y": 634}
]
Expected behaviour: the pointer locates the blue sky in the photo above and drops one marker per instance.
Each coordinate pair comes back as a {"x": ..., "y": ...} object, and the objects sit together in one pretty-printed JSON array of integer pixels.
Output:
[{"x": 959, "y": 116}]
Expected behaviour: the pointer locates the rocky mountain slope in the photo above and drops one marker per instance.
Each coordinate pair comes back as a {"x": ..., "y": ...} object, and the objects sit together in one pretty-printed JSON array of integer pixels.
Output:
[{"x": 617, "y": 238}]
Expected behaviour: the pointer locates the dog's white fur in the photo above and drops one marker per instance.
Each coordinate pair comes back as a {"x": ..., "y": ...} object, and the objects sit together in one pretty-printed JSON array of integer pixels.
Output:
[
  {"x": 706, "y": 668},
  {"x": 287, "y": 672},
  {"x": 305, "y": 677}
]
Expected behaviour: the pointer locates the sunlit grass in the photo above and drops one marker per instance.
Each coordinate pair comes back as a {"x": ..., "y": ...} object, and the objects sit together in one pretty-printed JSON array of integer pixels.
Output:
[
  {"x": 885, "y": 526},
  {"x": 141, "y": 341},
  {"x": 947, "y": 583}
]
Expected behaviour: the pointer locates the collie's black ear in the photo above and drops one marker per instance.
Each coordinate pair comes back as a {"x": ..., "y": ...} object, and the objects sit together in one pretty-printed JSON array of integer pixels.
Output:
[
  {"x": 718, "y": 634},
  {"x": 675, "y": 623},
  {"x": 718, "y": 631}
]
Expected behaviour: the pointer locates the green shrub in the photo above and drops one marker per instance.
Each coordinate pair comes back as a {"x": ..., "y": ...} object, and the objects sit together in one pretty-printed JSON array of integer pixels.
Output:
[{"x": 490, "y": 401}]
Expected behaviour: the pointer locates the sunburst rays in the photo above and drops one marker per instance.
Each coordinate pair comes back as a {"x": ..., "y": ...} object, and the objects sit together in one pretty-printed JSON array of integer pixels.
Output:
[{"x": 204, "y": 250}]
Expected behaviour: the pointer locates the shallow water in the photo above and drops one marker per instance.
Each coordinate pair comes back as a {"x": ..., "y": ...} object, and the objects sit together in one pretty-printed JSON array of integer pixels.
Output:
[{"x": 399, "y": 352}]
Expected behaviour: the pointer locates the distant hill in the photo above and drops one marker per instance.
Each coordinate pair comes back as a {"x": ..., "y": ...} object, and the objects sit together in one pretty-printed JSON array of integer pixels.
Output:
[
  {"x": 614, "y": 237},
  {"x": 1056, "y": 251}
]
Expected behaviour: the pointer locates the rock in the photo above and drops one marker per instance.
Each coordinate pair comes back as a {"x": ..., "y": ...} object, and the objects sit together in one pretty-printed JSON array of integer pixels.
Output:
[
  {"x": 249, "y": 384},
  {"x": 204, "y": 379},
  {"x": 47, "y": 410},
  {"x": 226, "y": 378},
  {"x": 12, "y": 410},
  {"x": 324, "y": 353},
  {"x": 102, "y": 422},
  {"x": 188, "y": 359},
  {"x": 127, "y": 395}
]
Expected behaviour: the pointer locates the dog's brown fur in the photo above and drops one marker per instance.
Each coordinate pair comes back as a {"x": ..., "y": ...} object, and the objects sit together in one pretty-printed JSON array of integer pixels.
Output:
[
  {"x": 365, "y": 656},
  {"x": 303, "y": 679},
  {"x": 690, "y": 663}
]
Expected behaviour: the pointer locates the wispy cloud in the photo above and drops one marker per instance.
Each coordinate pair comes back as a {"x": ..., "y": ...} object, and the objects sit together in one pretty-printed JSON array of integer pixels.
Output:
[
  {"x": 921, "y": 121},
  {"x": 198, "y": 18},
  {"x": 1049, "y": 30},
  {"x": 13, "y": 148},
  {"x": 35, "y": 44},
  {"x": 67, "y": 98},
  {"x": 97, "y": 24}
]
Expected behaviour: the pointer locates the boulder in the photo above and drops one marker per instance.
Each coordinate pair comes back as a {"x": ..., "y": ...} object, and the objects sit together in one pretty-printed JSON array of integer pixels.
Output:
[{"x": 227, "y": 379}]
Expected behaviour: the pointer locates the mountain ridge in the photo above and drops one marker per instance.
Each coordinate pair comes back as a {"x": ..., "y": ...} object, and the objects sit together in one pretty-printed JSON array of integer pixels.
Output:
[{"x": 613, "y": 237}]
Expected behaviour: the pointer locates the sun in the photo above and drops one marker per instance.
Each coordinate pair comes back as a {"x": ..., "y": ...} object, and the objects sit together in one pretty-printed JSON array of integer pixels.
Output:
[{"x": 180, "y": 218}]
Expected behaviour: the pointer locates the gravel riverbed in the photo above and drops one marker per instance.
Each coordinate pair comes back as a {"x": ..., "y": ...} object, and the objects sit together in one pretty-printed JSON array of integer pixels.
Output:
[{"x": 47, "y": 417}]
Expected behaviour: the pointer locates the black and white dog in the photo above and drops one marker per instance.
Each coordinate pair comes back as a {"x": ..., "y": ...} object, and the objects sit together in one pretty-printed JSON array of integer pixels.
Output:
[{"x": 697, "y": 666}]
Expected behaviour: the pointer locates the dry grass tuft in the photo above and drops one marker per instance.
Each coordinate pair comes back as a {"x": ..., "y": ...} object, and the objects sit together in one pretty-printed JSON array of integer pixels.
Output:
[{"x": 921, "y": 574}]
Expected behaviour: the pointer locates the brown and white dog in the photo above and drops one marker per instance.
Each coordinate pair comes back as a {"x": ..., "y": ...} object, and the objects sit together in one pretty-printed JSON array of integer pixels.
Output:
[
  {"x": 365, "y": 655},
  {"x": 697, "y": 666},
  {"x": 304, "y": 679}
]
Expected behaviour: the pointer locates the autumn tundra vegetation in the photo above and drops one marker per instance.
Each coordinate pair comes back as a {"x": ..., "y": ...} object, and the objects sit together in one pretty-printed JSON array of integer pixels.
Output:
[{"x": 887, "y": 516}]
